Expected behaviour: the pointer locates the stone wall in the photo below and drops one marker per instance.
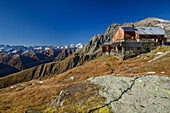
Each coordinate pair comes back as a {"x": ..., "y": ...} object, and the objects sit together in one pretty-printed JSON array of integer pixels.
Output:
[
  {"x": 125, "y": 53},
  {"x": 148, "y": 46}
]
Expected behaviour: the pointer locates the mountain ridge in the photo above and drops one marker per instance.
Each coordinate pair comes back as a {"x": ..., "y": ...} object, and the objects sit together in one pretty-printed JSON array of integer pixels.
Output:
[
  {"x": 23, "y": 57},
  {"x": 87, "y": 81},
  {"x": 75, "y": 90},
  {"x": 90, "y": 51}
]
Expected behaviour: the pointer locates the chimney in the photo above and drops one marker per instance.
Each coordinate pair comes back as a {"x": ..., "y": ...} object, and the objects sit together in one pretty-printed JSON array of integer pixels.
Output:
[{"x": 133, "y": 26}]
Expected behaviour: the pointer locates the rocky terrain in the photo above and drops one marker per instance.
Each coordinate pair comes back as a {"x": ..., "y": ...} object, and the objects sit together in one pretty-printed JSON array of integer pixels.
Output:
[
  {"x": 86, "y": 81},
  {"x": 16, "y": 58},
  {"x": 156, "y": 22},
  {"x": 149, "y": 93},
  {"x": 90, "y": 51},
  {"x": 64, "y": 54},
  {"x": 105, "y": 84}
]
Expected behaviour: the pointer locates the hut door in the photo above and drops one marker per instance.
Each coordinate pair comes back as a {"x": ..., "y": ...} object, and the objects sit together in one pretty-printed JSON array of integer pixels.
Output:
[
  {"x": 108, "y": 49},
  {"x": 160, "y": 42}
]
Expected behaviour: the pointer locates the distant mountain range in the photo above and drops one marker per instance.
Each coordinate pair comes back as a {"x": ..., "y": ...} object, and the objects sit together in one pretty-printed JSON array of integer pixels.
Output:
[
  {"x": 90, "y": 51},
  {"x": 83, "y": 80},
  {"x": 16, "y": 58},
  {"x": 23, "y": 49}
]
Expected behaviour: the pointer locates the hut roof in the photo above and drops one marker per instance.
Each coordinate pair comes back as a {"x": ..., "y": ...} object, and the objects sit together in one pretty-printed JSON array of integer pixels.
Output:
[{"x": 145, "y": 30}]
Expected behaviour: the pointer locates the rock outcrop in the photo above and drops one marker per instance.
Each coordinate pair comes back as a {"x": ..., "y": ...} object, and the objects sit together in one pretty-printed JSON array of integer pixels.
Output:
[
  {"x": 91, "y": 50},
  {"x": 64, "y": 54},
  {"x": 156, "y": 22},
  {"x": 23, "y": 57},
  {"x": 143, "y": 94},
  {"x": 117, "y": 94},
  {"x": 94, "y": 43}
]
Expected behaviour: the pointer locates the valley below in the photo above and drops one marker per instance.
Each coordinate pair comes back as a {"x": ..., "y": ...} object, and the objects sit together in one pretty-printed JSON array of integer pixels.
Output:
[
  {"x": 82, "y": 79},
  {"x": 104, "y": 84}
]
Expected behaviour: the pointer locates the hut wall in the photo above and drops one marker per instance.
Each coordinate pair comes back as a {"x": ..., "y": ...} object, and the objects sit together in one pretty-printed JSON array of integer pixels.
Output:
[
  {"x": 125, "y": 52},
  {"x": 137, "y": 36},
  {"x": 132, "y": 51},
  {"x": 129, "y": 35},
  {"x": 119, "y": 35}
]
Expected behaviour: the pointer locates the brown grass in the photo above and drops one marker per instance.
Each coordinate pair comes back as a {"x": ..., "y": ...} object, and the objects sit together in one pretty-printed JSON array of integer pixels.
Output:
[{"x": 39, "y": 98}]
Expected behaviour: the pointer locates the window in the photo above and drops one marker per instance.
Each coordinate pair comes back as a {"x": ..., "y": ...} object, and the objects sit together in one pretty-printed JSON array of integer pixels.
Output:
[{"x": 146, "y": 41}]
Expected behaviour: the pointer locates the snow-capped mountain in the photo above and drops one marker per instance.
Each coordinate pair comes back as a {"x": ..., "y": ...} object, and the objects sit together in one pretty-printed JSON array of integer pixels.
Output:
[
  {"x": 76, "y": 47},
  {"x": 79, "y": 45},
  {"x": 15, "y": 58},
  {"x": 25, "y": 57},
  {"x": 22, "y": 49}
]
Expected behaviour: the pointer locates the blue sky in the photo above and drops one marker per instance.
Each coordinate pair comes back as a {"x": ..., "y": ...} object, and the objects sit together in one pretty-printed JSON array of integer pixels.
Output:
[{"x": 63, "y": 22}]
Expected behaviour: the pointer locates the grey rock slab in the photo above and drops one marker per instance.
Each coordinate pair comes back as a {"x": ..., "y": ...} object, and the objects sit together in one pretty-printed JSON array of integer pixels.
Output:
[{"x": 143, "y": 94}]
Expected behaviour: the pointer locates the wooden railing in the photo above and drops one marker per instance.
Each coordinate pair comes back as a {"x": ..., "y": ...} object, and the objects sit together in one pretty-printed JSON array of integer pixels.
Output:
[{"x": 129, "y": 52}]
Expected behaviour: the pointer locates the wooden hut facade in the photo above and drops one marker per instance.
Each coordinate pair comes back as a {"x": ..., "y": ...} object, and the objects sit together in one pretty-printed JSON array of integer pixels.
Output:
[{"x": 131, "y": 41}]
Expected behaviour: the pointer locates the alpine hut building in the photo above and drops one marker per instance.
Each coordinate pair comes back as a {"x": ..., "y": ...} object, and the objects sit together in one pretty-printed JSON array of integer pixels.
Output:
[{"x": 131, "y": 41}]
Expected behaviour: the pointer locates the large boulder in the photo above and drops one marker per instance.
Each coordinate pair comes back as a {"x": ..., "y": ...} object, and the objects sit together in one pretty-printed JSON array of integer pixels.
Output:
[{"x": 144, "y": 94}]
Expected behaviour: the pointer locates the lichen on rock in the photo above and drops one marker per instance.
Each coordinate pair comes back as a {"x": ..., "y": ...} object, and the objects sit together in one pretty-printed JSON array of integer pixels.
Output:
[{"x": 135, "y": 94}]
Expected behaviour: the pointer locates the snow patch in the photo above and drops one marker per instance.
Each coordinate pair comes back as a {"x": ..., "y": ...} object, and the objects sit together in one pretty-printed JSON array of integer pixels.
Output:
[
  {"x": 14, "y": 51},
  {"x": 66, "y": 47},
  {"x": 161, "y": 20},
  {"x": 151, "y": 72},
  {"x": 72, "y": 78},
  {"x": 40, "y": 82},
  {"x": 39, "y": 48},
  {"x": 47, "y": 48},
  {"x": 159, "y": 53},
  {"x": 150, "y": 60},
  {"x": 72, "y": 45},
  {"x": 79, "y": 45}
]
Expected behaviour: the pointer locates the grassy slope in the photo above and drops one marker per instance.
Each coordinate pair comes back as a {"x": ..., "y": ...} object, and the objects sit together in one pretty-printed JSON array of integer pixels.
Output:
[
  {"x": 42, "y": 71},
  {"x": 23, "y": 95}
]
